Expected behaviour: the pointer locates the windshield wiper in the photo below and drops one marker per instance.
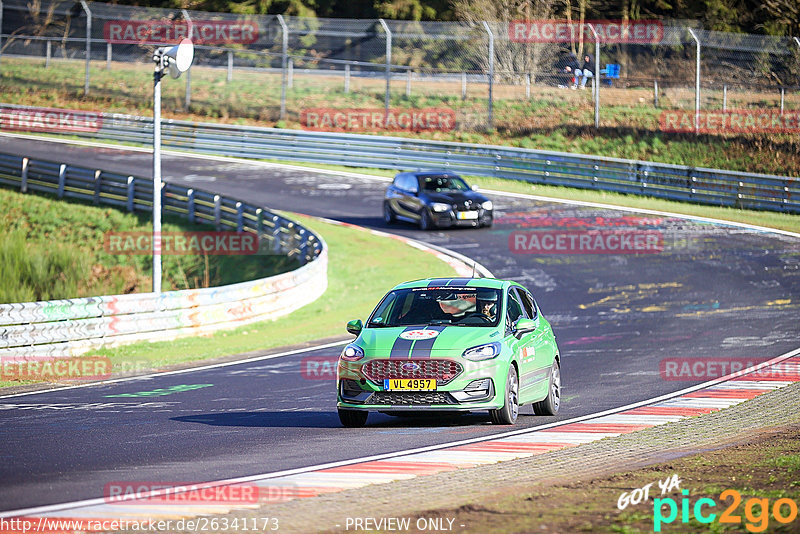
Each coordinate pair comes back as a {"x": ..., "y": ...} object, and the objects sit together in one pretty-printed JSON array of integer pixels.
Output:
[{"x": 439, "y": 321}]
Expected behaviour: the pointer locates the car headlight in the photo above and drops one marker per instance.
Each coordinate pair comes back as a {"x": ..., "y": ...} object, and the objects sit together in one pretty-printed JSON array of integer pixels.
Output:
[
  {"x": 352, "y": 353},
  {"x": 487, "y": 205},
  {"x": 483, "y": 352},
  {"x": 439, "y": 207}
]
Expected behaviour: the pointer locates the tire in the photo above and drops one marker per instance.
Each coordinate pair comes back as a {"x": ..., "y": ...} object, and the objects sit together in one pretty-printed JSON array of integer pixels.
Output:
[
  {"x": 551, "y": 403},
  {"x": 507, "y": 415},
  {"x": 353, "y": 418},
  {"x": 425, "y": 222},
  {"x": 388, "y": 214},
  {"x": 487, "y": 224}
]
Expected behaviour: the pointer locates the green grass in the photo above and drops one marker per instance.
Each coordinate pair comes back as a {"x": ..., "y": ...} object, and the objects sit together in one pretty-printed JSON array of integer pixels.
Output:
[
  {"x": 362, "y": 267},
  {"x": 552, "y": 119},
  {"x": 54, "y": 249}
]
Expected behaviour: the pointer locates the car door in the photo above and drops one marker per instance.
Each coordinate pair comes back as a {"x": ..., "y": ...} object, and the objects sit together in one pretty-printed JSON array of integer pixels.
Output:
[
  {"x": 407, "y": 200},
  {"x": 535, "y": 351},
  {"x": 514, "y": 312}
]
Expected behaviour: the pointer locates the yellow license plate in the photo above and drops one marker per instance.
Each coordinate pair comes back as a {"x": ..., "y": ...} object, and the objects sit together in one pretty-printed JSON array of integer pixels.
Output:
[
  {"x": 409, "y": 384},
  {"x": 467, "y": 215}
]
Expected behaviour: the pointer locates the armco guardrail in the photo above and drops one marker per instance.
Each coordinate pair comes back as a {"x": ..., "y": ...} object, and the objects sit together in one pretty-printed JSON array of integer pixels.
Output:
[
  {"x": 69, "y": 327},
  {"x": 677, "y": 182}
]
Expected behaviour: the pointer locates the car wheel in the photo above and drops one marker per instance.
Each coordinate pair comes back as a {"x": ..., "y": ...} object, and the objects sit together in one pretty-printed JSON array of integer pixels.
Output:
[
  {"x": 425, "y": 222},
  {"x": 388, "y": 214},
  {"x": 507, "y": 415},
  {"x": 551, "y": 403},
  {"x": 353, "y": 418},
  {"x": 487, "y": 224}
]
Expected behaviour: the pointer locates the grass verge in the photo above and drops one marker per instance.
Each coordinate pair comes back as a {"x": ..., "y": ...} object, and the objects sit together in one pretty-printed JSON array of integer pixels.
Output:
[
  {"x": 362, "y": 267},
  {"x": 55, "y": 249},
  {"x": 764, "y": 469}
]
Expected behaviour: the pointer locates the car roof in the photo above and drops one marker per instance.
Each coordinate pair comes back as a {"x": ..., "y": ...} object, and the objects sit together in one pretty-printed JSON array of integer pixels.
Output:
[{"x": 493, "y": 283}]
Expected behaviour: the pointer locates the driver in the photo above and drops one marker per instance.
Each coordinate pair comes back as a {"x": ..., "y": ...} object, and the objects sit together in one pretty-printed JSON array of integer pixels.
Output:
[{"x": 487, "y": 303}]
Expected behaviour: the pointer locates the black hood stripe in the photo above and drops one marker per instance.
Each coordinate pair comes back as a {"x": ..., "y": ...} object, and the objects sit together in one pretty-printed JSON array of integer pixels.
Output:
[
  {"x": 438, "y": 282},
  {"x": 422, "y": 347},
  {"x": 402, "y": 347}
]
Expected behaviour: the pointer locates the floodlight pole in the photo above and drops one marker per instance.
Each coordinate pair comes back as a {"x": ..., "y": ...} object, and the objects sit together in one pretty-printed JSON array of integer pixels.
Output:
[{"x": 157, "y": 75}]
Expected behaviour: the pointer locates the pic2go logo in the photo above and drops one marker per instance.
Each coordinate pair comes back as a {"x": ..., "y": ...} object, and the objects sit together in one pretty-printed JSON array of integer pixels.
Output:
[{"x": 756, "y": 511}]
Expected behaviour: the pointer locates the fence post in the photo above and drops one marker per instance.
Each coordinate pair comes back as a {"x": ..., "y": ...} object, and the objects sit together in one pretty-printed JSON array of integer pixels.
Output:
[
  {"x": 284, "y": 54},
  {"x": 596, "y": 80},
  {"x": 347, "y": 78},
  {"x": 655, "y": 93},
  {"x": 725, "y": 97},
  {"x": 108, "y": 56},
  {"x": 290, "y": 74},
  {"x": 188, "y": 96},
  {"x": 491, "y": 74},
  {"x": 696, "y": 84},
  {"x": 463, "y": 86},
  {"x": 131, "y": 193},
  {"x": 62, "y": 178},
  {"x": 408, "y": 83},
  {"x": 88, "y": 13},
  {"x": 23, "y": 184},
  {"x": 388, "y": 65},
  {"x": 230, "y": 66},
  {"x": 49, "y": 53},
  {"x": 783, "y": 91}
]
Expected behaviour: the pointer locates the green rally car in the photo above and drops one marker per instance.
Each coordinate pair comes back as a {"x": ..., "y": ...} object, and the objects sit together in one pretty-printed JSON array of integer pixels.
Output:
[{"x": 450, "y": 344}]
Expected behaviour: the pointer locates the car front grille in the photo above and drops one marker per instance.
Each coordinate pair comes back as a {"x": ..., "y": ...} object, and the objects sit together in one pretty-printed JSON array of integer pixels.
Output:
[
  {"x": 411, "y": 398},
  {"x": 443, "y": 371}
]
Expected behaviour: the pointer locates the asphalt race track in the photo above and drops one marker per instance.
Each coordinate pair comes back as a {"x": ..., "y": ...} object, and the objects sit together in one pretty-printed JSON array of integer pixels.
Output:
[{"x": 713, "y": 291}]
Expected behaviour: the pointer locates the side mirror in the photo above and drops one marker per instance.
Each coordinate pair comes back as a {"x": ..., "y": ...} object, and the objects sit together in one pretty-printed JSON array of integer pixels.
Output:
[
  {"x": 355, "y": 326},
  {"x": 524, "y": 326},
  {"x": 476, "y": 188}
]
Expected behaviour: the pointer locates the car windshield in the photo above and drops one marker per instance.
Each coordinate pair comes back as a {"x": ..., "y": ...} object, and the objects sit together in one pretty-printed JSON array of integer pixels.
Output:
[
  {"x": 457, "y": 306},
  {"x": 443, "y": 183}
]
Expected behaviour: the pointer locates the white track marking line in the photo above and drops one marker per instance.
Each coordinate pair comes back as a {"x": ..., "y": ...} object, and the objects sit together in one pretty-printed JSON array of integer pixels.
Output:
[{"x": 181, "y": 371}]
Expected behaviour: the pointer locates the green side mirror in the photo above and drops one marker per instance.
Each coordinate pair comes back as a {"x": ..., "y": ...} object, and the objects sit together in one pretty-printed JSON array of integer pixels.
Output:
[
  {"x": 524, "y": 326},
  {"x": 355, "y": 326}
]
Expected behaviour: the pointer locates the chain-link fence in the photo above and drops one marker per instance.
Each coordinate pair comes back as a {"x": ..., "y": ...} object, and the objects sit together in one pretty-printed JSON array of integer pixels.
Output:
[{"x": 379, "y": 75}]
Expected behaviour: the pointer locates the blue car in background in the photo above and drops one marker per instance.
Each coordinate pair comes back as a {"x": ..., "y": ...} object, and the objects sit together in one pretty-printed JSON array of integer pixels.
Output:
[{"x": 435, "y": 199}]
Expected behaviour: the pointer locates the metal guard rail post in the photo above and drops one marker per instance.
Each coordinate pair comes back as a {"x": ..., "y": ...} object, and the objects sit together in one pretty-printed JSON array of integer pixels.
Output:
[{"x": 68, "y": 327}]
